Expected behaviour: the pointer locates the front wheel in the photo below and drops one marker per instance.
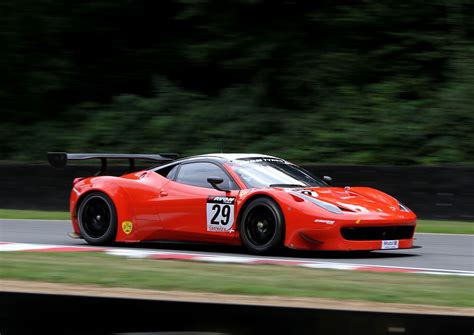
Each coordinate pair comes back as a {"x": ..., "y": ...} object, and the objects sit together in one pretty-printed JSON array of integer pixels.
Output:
[
  {"x": 262, "y": 226},
  {"x": 97, "y": 218}
]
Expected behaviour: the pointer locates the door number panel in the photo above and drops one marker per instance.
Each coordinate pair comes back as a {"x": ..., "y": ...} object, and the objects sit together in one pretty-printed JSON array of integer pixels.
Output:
[{"x": 220, "y": 213}]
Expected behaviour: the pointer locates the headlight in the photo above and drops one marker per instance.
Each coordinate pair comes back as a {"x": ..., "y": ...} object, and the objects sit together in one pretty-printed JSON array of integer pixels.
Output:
[
  {"x": 403, "y": 208},
  {"x": 327, "y": 206}
]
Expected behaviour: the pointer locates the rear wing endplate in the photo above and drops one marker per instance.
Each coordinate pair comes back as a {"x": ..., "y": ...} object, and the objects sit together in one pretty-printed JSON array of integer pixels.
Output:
[{"x": 60, "y": 159}]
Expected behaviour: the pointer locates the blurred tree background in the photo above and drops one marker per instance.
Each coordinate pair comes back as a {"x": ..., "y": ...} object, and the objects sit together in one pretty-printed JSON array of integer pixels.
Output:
[{"x": 370, "y": 82}]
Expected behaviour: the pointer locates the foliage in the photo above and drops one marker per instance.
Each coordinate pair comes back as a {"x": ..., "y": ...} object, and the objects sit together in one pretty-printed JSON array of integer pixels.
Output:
[{"x": 369, "y": 83}]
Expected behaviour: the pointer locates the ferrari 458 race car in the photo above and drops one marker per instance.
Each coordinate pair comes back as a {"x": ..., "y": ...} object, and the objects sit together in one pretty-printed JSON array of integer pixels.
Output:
[{"x": 259, "y": 201}]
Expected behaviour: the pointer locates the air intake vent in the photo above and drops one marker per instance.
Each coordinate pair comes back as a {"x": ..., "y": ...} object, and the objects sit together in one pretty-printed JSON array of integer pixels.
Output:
[{"x": 377, "y": 233}]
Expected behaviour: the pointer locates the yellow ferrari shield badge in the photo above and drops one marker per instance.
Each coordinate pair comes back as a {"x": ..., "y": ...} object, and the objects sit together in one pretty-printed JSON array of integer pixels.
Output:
[{"x": 127, "y": 227}]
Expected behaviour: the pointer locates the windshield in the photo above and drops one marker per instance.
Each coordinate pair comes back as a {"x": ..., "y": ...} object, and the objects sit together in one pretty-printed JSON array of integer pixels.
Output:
[{"x": 271, "y": 172}]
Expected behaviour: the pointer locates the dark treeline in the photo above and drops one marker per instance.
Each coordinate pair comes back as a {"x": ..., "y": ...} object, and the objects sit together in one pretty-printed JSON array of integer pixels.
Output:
[{"x": 372, "y": 82}]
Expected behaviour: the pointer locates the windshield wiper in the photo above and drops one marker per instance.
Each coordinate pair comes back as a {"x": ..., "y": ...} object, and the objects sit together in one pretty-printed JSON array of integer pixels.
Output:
[{"x": 286, "y": 185}]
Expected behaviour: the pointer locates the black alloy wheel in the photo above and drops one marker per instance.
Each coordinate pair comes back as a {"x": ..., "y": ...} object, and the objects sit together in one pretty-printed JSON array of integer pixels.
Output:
[
  {"x": 97, "y": 219},
  {"x": 262, "y": 226}
]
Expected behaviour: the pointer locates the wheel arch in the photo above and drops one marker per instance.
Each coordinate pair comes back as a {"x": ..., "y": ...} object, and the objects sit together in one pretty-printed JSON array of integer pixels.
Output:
[
  {"x": 83, "y": 195},
  {"x": 252, "y": 198}
]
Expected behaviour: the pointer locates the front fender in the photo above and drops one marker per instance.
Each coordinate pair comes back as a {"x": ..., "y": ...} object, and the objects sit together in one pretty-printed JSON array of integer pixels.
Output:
[
  {"x": 297, "y": 213},
  {"x": 376, "y": 195}
]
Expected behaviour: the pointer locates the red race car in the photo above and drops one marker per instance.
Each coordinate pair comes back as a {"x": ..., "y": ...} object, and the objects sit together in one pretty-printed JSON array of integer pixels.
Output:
[{"x": 259, "y": 201}]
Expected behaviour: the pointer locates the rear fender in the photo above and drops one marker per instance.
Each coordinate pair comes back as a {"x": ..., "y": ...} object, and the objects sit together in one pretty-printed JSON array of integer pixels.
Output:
[{"x": 119, "y": 196}]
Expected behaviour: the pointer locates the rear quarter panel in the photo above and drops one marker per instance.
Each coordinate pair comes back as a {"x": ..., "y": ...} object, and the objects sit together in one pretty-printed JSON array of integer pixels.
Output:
[{"x": 134, "y": 197}]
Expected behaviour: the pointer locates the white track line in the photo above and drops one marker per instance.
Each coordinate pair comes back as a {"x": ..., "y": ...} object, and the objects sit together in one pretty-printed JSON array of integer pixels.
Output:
[
  {"x": 24, "y": 246},
  {"x": 236, "y": 259}
]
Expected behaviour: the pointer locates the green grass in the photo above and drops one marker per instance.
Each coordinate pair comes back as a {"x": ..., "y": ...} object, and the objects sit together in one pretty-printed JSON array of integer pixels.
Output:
[
  {"x": 29, "y": 214},
  {"x": 424, "y": 226},
  {"x": 446, "y": 227},
  {"x": 111, "y": 271}
]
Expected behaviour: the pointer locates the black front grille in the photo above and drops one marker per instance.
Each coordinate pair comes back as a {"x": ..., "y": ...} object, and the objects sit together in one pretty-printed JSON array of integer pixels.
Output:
[{"x": 377, "y": 233}]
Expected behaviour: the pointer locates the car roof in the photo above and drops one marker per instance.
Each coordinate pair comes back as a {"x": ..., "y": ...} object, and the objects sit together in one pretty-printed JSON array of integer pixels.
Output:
[
  {"x": 234, "y": 156},
  {"x": 220, "y": 157}
]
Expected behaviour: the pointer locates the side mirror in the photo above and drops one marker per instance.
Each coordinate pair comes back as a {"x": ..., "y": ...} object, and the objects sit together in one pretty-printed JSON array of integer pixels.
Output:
[
  {"x": 214, "y": 181},
  {"x": 328, "y": 180}
]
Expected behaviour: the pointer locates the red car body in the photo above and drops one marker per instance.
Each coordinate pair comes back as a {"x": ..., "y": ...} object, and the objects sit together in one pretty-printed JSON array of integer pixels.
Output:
[{"x": 151, "y": 206}]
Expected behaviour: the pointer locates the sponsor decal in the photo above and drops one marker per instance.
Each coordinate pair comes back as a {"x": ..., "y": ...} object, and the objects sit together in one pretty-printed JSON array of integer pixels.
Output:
[
  {"x": 264, "y": 159},
  {"x": 390, "y": 244},
  {"x": 324, "y": 221},
  {"x": 220, "y": 214},
  {"x": 243, "y": 193},
  {"x": 127, "y": 227}
]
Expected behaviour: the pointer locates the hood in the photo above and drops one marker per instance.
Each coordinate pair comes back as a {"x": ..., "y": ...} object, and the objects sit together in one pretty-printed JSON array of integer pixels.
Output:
[{"x": 356, "y": 199}]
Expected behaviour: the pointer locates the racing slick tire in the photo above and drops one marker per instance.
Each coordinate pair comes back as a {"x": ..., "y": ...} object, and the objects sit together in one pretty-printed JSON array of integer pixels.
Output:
[
  {"x": 97, "y": 217},
  {"x": 262, "y": 227}
]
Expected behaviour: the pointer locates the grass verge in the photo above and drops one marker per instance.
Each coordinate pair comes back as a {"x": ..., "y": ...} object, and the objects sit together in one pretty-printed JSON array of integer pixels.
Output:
[
  {"x": 445, "y": 227},
  {"x": 92, "y": 268},
  {"x": 30, "y": 214},
  {"x": 424, "y": 226}
]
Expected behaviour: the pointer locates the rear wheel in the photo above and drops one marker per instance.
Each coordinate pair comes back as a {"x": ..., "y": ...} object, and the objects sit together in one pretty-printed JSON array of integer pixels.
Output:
[
  {"x": 262, "y": 226},
  {"x": 97, "y": 218}
]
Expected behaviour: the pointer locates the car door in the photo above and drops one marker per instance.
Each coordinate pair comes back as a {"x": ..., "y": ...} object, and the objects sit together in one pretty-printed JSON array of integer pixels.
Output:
[{"x": 191, "y": 209}]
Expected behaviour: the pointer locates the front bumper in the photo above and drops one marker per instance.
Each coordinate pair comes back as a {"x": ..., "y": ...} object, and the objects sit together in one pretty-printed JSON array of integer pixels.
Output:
[{"x": 349, "y": 237}]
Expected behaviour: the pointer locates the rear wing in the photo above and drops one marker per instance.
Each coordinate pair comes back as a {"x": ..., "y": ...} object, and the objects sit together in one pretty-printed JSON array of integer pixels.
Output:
[{"x": 60, "y": 159}]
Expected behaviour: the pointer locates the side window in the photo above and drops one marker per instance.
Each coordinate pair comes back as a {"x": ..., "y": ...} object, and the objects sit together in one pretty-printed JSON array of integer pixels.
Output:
[
  {"x": 196, "y": 174},
  {"x": 172, "y": 172},
  {"x": 169, "y": 171}
]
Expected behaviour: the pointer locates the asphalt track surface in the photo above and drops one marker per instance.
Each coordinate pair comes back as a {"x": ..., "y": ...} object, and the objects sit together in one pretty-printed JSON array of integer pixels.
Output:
[{"x": 439, "y": 251}]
